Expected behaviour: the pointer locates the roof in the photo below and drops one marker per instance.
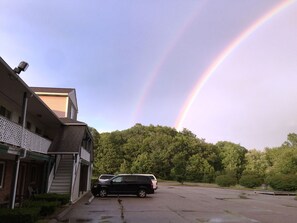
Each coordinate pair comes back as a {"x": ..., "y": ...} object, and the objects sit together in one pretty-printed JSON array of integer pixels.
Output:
[
  {"x": 69, "y": 121},
  {"x": 52, "y": 90},
  {"x": 68, "y": 139},
  {"x": 12, "y": 87}
]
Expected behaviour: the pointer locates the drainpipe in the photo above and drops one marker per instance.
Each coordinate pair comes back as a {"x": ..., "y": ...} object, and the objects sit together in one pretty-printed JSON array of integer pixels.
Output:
[{"x": 18, "y": 159}]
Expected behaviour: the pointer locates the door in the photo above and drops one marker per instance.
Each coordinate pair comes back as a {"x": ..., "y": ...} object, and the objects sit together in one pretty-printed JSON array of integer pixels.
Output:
[
  {"x": 131, "y": 185},
  {"x": 117, "y": 185}
]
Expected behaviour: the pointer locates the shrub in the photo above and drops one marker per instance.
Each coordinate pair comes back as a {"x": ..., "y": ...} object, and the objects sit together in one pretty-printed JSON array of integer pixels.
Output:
[
  {"x": 94, "y": 181},
  {"x": 63, "y": 198},
  {"x": 225, "y": 180},
  {"x": 283, "y": 182},
  {"x": 46, "y": 207},
  {"x": 19, "y": 215},
  {"x": 250, "y": 181}
]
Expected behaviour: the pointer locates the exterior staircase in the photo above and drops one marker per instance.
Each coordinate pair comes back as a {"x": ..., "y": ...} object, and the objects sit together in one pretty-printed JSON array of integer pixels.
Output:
[{"x": 62, "y": 181}]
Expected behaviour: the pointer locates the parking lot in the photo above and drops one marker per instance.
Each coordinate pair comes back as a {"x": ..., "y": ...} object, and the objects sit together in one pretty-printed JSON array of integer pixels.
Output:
[{"x": 186, "y": 204}]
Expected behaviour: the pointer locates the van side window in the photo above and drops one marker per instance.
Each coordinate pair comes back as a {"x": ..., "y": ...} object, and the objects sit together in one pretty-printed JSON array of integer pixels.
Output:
[
  {"x": 130, "y": 179},
  {"x": 118, "y": 180}
]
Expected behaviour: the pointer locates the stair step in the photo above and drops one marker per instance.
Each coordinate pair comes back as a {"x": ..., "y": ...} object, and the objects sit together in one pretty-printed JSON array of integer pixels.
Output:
[{"x": 62, "y": 182}]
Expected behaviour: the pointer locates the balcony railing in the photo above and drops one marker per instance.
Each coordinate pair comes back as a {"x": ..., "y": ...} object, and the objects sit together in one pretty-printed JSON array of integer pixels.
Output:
[{"x": 11, "y": 133}]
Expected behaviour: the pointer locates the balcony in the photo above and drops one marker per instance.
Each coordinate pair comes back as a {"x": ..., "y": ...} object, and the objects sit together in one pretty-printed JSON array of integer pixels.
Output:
[{"x": 11, "y": 133}]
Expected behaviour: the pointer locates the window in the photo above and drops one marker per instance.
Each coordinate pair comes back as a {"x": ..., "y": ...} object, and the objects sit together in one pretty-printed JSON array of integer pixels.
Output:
[
  {"x": 118, "y": 180},
  {"x": 38, "y": 131},
  {"x": 4, "y": 112},
  {"x": 72, "y": 113},
  {"x": 8, "y": 114},
  {"x": 28, "y": 126},
  {"x": 2, "y": 171},
  {"x": 130, "y": 179},
  {"x": 33, "y": 174}
]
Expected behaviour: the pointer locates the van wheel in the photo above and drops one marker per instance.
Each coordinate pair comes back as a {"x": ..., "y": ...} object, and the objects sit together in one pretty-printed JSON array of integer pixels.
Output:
[
  {"x": 141, "y": 193},
  {"x": 102, "y": 193}
]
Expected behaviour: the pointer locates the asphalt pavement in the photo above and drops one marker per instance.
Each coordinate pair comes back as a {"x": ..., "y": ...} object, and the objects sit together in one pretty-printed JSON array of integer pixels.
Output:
[{"x": 184, "y": 204}]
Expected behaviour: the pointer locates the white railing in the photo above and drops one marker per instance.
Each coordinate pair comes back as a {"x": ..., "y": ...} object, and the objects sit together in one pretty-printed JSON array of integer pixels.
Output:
[
  {"x": 11, "y": 133},
  {"x": 84, "y": 154}
]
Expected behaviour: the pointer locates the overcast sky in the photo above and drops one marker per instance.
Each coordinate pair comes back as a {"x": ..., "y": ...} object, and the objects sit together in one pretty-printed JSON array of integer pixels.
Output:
[{"x": 137, "y": 61}]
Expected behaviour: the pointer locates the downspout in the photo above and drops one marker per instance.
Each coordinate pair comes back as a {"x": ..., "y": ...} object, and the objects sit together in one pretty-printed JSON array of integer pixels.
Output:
[{"x": 24, "y": 113}]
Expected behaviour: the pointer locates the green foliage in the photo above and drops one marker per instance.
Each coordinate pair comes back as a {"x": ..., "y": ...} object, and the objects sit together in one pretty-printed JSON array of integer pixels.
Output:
[
  {"x": 46, "y": 207},
  {"x": 250, "y": 181},
  {"x": 282, "y": 160},
  {"x": 282, "y": 182},
  {"x": 182, "y": 156},
  {"x": 291, "y": 140},
  {"x": 225, "y": 180},
  {"x": 232, "y": 158},
  {"x": 199, "y": 170},
  {"x": 155, "y": 149},
  {"x": 256, "y": 163},
  {"x": 178, "y": 172},
  {"x": 19, "y": 215},
  {"x": 62, "y": 198}
]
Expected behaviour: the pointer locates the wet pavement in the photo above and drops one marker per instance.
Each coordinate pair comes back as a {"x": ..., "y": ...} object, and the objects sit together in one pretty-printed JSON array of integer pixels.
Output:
[{"x": 185, "y": 204}]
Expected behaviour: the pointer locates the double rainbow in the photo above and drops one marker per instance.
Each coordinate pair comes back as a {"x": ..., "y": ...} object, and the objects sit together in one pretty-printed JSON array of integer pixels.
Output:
[{"x": 222, "y": 56}]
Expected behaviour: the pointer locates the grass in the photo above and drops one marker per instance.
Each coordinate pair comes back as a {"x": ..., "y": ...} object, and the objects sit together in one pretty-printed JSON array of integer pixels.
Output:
[{"x": 191, "y": 184}]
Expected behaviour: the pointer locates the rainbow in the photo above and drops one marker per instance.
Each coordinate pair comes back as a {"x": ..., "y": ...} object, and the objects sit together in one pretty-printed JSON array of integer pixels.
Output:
[
  {"x": 161, "y": 61},
  {"x": 222, "y": 56}
]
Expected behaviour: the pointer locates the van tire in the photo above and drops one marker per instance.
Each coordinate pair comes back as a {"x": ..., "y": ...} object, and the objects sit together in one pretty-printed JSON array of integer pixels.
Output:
[
  {"x": 103, "y": 192},
  {"x": 141, "y": 193}
]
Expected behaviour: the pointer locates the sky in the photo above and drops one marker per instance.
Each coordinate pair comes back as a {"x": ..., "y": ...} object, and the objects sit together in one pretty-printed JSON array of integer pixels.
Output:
[{"x": 224, "y": 69}]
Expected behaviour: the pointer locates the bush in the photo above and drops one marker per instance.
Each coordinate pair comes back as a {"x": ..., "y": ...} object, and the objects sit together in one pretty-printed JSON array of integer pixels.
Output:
[
  {"x": 94, "y": 181},
  {"x": 19, "y": 215},
  {"x": 63, "y": 198},
  {"x": 250, "y": 181},
  {"x": 225, "y": 180},
  {"x": 46, "y": 207},
  {"x": 283, "y": 182}
]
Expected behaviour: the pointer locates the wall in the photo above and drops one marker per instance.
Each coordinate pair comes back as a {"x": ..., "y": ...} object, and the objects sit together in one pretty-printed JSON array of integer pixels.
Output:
[
  {"x": 8, "y": 175},
  {"x": 57, "y": 103}
]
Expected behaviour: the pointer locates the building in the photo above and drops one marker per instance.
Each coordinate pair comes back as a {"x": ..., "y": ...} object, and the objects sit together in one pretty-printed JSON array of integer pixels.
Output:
[{"x": 42, "y": 145}]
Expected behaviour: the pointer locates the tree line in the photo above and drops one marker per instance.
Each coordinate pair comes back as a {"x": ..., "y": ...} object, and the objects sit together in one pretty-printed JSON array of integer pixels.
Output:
[{"x": 182, "y": 156}]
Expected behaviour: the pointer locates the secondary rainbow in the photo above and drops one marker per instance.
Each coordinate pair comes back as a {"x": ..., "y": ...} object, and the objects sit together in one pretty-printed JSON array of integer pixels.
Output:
[
  {"x": 222, "y": 56},
  {"x": 161, "y": 61}
]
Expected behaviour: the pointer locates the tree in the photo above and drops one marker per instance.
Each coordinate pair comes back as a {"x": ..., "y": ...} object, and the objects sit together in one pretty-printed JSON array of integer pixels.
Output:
[
  {"x": 199, "y": 170},
  {"x": 178, "y": 172},
  {"x": 233, "y": 158},
  {"x": 282, "y": 160},
  {"x": 291, "y": 140},
  {"x": 256, "y": 163},
  {"x": 142, "y": 164}
]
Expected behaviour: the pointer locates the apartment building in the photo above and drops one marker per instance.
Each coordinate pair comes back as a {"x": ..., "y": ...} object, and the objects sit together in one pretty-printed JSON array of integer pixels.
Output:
[{"x": 42, "y": 144}]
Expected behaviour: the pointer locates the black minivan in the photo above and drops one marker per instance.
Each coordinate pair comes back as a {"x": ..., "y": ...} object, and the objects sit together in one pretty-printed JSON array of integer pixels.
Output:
[{"x": 124, "y": 184}]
